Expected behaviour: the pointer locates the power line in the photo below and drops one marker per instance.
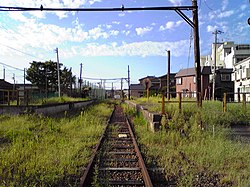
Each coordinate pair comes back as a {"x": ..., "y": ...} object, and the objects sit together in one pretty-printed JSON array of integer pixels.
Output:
[
  {"x": 11, "y": 66},
  {"x": 110, "y": 79},
  {"x": 21, "y": 51}
]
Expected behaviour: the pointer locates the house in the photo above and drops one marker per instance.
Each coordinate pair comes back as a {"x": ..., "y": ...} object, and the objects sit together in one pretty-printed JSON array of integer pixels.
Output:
[
  {"x": 241, "y": 77},
  {"x": 6, "y": 90},
  {"x": 154, "y": 83},
  {"x": 186, "y": 82},
  {"x": 136, "y": 90},
  {"x": 224, "y": 83},
  {"x": 172, "y": 83}
]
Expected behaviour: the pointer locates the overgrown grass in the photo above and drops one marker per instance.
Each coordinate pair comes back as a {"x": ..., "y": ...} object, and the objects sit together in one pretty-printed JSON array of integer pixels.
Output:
[
  {"x": 194, "y": 147},
  {"x": 53, "y": 100},
  {"x": 211, "y": 112},
  {"x": 42, "y": 151}
]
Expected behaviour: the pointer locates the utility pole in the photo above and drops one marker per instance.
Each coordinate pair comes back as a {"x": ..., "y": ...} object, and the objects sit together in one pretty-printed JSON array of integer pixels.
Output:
[
  {"x": 46, "y": 81},
  {"x": 24, "y": 76},
  {"x": 128, "y": 84},
  {"x": 215, "y": 51},
  {"x": 80, "y": 81},
  {"x": 14, "y": 85},
  {"x": 58, "y": 73},
  {"x": 3, "y": 73},
  {"x": 121, "y": 88},
  {"x": 197, "y": 53},
  {"x": 70, "y": 81},
  {"x": 168, "y": 76}
]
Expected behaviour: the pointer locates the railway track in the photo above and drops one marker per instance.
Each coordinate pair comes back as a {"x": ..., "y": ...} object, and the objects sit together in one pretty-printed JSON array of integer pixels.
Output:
[{"x": 117, "y": 160}]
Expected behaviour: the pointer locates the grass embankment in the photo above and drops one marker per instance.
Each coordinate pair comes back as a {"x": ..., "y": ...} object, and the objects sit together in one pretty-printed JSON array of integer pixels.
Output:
[
  {"x": 195, "y": 148},
  {"x": 54, "y": 100},
  {"x": 42, "y": 151}
]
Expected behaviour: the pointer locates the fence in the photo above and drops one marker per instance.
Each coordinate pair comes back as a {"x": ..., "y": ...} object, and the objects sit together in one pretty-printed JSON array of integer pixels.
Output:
[
  {"x": 28, "y": 96},
  {"x": 243, "y": 98}
]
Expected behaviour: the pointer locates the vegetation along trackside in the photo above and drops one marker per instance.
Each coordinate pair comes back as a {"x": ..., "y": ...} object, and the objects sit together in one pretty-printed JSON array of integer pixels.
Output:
[
  {"x": 194, "y": 146},
  {"x": 43, "y": 151}
]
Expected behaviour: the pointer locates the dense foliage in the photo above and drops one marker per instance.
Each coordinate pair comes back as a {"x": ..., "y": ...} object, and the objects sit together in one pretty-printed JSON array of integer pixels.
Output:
[{"x": 44, "y": 75}]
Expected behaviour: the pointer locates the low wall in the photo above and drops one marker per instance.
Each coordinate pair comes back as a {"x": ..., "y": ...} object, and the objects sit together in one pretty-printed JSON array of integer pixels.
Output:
[
  {"x": 154, "y": 119},
  {"x": 44, "y": 109}
]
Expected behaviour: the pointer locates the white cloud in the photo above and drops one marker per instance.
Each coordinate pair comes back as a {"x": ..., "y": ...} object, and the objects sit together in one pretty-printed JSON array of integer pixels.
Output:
[
  {"x": 49, "y": 4},
  {"x": 241, "y": 15},
  {"x": 243, "y": 7},
  {"x": 128, "y": 26},
  {"x": 97, "y": 32},
  {"x": 224, "y": 4},
  {"x": 211, "y": 28},
  {"x": 141, "y": 31},
  {"x": 114, "y": 32},
  {"x": 170, "y": 25},
  {"x": 116, "y": 22},
  {"x": 91, "y": 2},
  {"x": 126, "y": 32},
  {"x": 226, "y": 14},
  {"x": 176, "y": 2},
  {"x": 143, "y": 49}
]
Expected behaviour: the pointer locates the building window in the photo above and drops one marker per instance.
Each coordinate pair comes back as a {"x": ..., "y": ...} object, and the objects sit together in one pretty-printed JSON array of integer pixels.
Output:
[
  {"x": 179, "y": 81},
  {"x": 225, "y": 77},
  {"x": 194, "y": 79},
  {"x": 243, "y": 68}
]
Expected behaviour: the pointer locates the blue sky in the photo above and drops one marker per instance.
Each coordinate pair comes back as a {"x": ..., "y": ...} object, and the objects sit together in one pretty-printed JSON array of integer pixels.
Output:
[{"x": 107, "y": 42}]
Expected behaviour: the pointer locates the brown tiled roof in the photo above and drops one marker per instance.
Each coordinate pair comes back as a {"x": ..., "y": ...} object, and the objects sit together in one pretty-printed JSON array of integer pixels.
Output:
[
  {"x": 5, "y": 85},
  {"x": 186, "y": 72},
  {"x": 206, "y": 70}
]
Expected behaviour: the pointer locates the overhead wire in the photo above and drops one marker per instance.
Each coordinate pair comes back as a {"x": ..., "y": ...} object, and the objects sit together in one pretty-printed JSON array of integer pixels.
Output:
[{"x": 20, "y": 51}]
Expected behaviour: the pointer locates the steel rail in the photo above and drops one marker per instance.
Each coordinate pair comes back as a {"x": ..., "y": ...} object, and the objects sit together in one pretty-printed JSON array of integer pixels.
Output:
[
  {"x": 144, "y": 170},
  {"x": 85, "y": 180}
]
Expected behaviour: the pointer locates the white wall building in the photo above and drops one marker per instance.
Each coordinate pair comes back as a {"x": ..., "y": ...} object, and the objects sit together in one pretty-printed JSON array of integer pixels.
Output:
[
  {"x": 241, "y": 77},
  {"x": 228, "y": 54}
]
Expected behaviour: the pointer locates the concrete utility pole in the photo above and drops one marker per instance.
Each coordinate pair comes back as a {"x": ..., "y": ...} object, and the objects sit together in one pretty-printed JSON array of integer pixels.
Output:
[
  {"x": 70, "y": 81},
  {"x": 168, "y": 76},
  {"x": 80, "y": 81},
  {"x": 4, "y": 73},
  {"x": 215, "y": 50},
  {"x": 121, "y": 88},
  {"x": 58, "y": 73},
  {"x": 197, "y": 53},
  {"x": 128, "y": 84},
  {"x": 24, "y": 76}
]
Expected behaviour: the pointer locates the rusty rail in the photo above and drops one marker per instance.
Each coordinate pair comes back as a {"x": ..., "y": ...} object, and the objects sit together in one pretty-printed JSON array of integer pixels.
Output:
[{"x": 117, "y": 159}]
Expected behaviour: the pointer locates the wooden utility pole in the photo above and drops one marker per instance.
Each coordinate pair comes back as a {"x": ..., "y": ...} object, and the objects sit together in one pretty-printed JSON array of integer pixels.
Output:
[
  {"x": 168, "y": 77},
  {"x": 197, "y": 53},
  {"x": 128, "y": 84}
]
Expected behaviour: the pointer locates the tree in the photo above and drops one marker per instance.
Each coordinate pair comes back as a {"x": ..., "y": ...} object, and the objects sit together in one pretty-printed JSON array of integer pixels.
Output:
[
  {"x": 66, "y": 80},
  {"x": 44, "y": 76}
]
